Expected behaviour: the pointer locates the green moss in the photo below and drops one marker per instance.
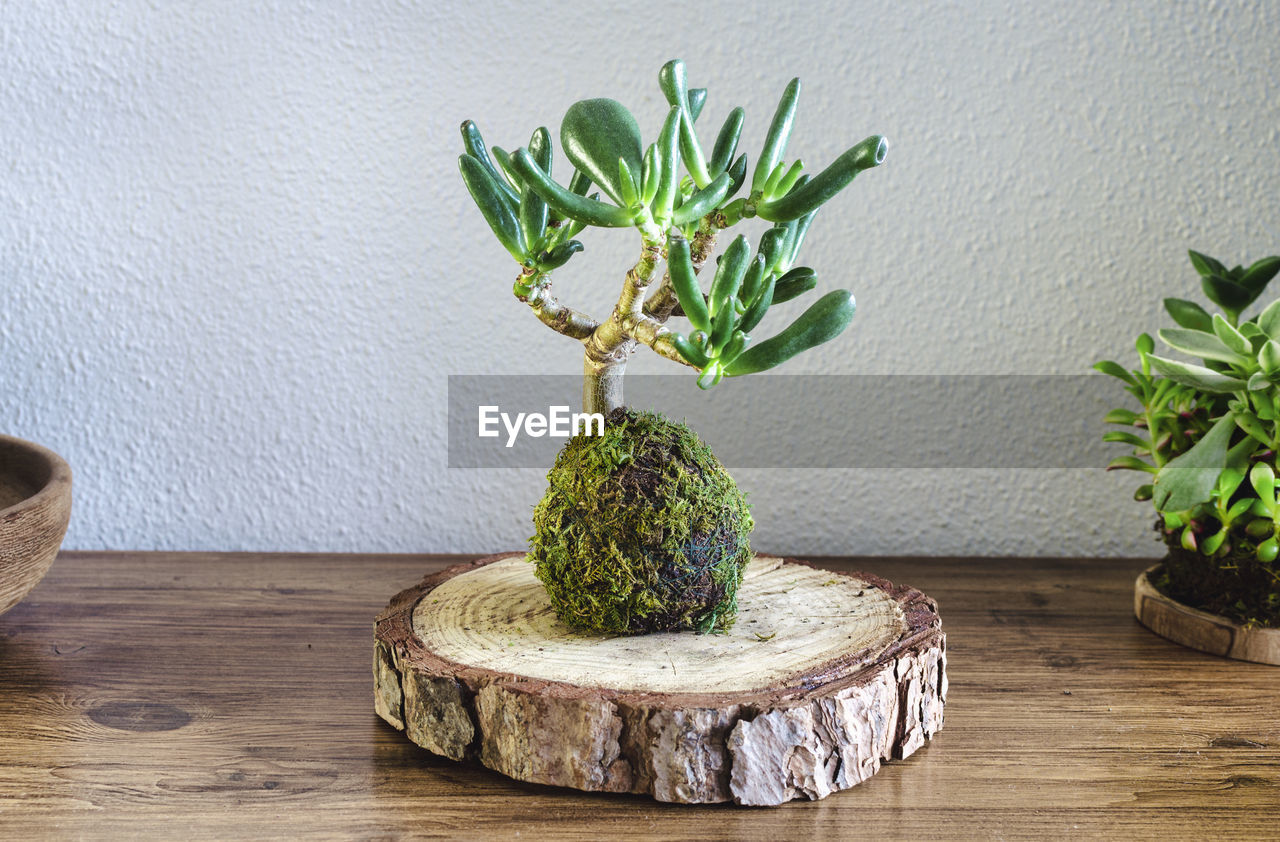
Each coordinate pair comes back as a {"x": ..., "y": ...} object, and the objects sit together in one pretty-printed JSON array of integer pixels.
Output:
[{"x": 641, "y": 529}]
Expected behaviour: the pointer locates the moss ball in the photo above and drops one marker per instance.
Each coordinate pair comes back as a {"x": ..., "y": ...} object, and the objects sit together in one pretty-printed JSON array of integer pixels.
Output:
[{"x": 641, "y": 529}]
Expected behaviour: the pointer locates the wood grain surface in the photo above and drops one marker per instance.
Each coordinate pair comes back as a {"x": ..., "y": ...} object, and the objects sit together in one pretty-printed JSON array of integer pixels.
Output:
[{"x": 201, "y": 696}]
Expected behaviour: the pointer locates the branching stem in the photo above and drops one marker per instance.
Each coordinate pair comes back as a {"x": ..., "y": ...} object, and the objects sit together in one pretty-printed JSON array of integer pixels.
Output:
[{"x": 635, "y": 320}]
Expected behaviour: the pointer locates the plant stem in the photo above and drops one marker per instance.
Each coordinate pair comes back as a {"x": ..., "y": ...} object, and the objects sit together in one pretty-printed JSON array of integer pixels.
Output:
[
  {"x": 602, "y": 385},
  {"x": 606, "y": 350}
]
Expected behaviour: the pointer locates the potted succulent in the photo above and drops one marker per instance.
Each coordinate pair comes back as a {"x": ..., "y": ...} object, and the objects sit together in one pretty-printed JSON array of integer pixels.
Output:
[
  {"x": 1205, "y": 434},
  {"x": 35, "y": 505},
  {"x": 641, "y": 528}
]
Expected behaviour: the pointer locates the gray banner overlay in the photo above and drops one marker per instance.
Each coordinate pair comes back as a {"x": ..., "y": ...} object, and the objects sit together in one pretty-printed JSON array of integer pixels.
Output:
[{"x": 813, "y": 421}]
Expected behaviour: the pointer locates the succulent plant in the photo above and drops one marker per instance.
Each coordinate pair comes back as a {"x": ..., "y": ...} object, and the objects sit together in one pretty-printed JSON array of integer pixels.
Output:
[
  {"x": 679, "y": 199},
  {"x": 1206, "y": 433}
]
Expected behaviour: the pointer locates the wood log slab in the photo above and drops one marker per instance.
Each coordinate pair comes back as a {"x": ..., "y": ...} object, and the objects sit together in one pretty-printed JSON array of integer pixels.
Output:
[
  {"x": 1201, "y": 630},
  {"x": 824, "y": 676}
]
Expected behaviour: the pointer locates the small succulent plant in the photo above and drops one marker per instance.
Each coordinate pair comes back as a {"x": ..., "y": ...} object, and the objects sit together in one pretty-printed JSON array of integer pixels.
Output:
[
  {"x": 641, "y": 528},
  {"x": 1206, "y": 433},
  {"x": 679, "y": 198}
]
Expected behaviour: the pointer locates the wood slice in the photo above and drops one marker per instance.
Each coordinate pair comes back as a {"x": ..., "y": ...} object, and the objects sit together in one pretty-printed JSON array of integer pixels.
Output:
[
  {"x": 823, "y": 676},
  {"x": 1201, "y": 630}
]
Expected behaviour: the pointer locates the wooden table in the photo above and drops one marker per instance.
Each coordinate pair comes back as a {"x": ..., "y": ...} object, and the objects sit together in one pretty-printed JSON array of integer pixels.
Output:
[{"x": 212, "y": 696}]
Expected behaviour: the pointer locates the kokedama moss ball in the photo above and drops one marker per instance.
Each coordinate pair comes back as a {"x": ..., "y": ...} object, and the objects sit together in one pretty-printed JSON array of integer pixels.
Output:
[{"x": 641, "y": 529}]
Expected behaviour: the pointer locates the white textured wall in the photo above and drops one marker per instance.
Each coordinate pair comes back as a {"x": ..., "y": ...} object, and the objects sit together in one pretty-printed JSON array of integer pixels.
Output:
[{"x": 237, "y": 262}]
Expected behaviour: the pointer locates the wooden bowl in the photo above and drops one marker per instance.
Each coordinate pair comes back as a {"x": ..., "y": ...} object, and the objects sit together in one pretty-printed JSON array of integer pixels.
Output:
[
  {"x": 35, "y": 505},
  {"x": 1201, "y": 630}
]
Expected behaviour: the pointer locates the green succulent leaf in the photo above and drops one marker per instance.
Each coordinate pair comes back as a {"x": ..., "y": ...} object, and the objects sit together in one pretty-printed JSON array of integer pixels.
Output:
[
  {"x": 1189, "y": 479},
  {"x": 474, "y": 144},
  {"x": 1269, "y": 357},
  {"x": 825, "y": 319},
  {"x": 1263, "y": 480},
  {"x": 1227, "y": 294},
  {"x": 1228, "y": 481},
  {"x": 794, "y": 283},
  {"x": 649, "y": 178},
  {"x": 771, "y": 182},
  {"x": 1257, "y": 276},
  {"x": 1238, "y": 509},
  {"x": 684, "y": 282},
  {"x": 771, "y": 246},
  {"x": 671, "y": 78},
  {"x": 558, "y": 256},
  {"x": 1260, "y": 528},
  {"x": 1121, "y": 416},
  {"x": 595, "y": 133},
  {"x": 1255, "y": 335},
  {"x": 794, "y": 243},
  {"x": 1232, "y": 338},
  {"x": 1207, "y": 346},
  {"x": 711, "y": 375},
  {"x": 1269, "y": 320},
  {"x": 788, "y": 180},
  {"x": 1259, "y": 381},
  {"x": 729, "y": 275},
  {"x": 566, "y": 204},
  {"x": 1211, "y": 544},
  {"x": 690, "y": 351},
  {"x": 734, "y": 347},
  {"x": 533, "y": 208},
  {"x": 753, "y": 281},
  {"x": 775, "y": 143},
  {"x": 1144, "y": 343},
  {"x": 494, "y": 204},
  {"x": 628, "y": 184},
  {"x": 826, "y": 184},
  {"x": 704, "y": 201},
  {"x": 755, "y": 312},
  {"x": 1206, "y": 265},
  {"x": 1196, "y": 376},
  {"x": 503, "y": 160},
  {"x": 579, "y": 183},
  {"x": 669, "y": 165},
  {"x": 1115, "y": 370},
  {"x": 1250, "y": 423},
  {"x": 697, "y": 99},
  {"x": 727, "y": 141},
  {"x": 1189, "y": 314},
  {"x": 1127, "y": 438},
  {"x": 1130, "y": 463}
]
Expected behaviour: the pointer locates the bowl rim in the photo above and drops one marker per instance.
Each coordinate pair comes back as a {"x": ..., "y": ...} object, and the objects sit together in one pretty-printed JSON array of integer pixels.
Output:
[{"x": 59, "y": 475}]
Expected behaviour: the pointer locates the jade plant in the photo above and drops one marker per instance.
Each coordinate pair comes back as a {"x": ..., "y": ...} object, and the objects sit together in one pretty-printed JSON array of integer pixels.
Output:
[
  {"x": 1206, "y": 434},
  {"x": 679, "y": 199},
  {"x": 641, "y": 528}
]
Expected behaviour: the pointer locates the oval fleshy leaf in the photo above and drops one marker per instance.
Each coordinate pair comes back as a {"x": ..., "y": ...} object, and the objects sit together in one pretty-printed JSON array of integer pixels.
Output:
[{"x": 595, "y": 133}]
